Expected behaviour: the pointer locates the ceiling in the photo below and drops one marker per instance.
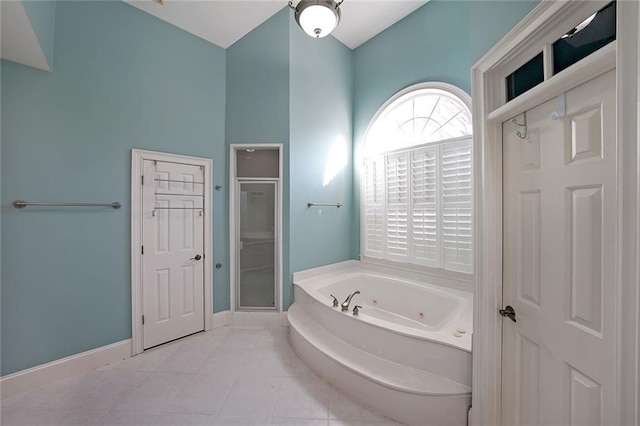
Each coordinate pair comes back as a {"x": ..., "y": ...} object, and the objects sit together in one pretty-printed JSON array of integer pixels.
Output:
[
  {"x": 19, "y": 42},
  {"x": 224, "y": 22}
]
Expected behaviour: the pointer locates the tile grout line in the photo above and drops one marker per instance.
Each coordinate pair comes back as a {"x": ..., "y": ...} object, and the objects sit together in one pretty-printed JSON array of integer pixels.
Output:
[
  {"x": 275, "y": 402},
  {"x": 225, "y": 399},
  {"x": 125, "y": 394}
]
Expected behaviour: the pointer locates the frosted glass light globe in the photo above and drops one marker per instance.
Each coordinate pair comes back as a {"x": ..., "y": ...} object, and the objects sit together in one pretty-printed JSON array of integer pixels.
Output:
[{"x": 318, "y": 20}]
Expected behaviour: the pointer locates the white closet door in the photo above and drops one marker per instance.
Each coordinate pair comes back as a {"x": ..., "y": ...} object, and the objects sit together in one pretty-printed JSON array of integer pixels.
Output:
[
  {"x": 560, "y": 198},
  {"x": 173, "y": 241}
]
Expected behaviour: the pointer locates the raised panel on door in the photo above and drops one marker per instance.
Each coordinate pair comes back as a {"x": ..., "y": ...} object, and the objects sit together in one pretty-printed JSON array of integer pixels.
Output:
[
  {"x": 528, "y": 389},
  {"x": 528, "y": 247},
  {"x": 585, "y": 399},
  {"x": 173, "y": 241},
  {"x": 189, "y": 287},
  {"x": 161, "y": 285},
  {"x": 559, "y": 200},
  {"x": 584, "y": 209}
]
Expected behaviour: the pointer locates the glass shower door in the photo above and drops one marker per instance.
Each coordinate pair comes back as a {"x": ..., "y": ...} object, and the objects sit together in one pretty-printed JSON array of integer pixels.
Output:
[{"x": 257, "y": 243}]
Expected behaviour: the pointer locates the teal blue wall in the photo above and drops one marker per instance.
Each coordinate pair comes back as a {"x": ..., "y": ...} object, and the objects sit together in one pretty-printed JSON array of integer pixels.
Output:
[
  {"x": 42, "y": 15},
  {"x": 489, "y": 21},
  {"x": 321, "y": 117},
  {"x": 258, "y": 104},
  {"x": 270, "y": 100},
  {"x": 438, "y": 42},
  {"x": 123, "y": 79},
  {"x": 258, "y": 84}
]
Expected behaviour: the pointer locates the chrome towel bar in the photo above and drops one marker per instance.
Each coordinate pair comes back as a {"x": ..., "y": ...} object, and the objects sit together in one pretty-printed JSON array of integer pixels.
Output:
[
  {"x": 338, "y": 205},
  {"x": 20, "y": 204}
]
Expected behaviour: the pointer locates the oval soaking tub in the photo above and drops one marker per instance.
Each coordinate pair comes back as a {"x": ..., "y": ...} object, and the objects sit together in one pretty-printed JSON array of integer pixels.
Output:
[{"x": 407, "y": 354}]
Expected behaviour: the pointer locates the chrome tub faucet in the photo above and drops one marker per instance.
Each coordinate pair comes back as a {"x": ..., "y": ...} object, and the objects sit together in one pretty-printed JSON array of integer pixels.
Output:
[{"x": 345, "y": 304}]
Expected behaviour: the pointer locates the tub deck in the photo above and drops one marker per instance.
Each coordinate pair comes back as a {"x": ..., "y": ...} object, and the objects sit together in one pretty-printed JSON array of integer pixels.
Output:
[
  {"x": 453, "y": 327},
  {"x": 415, "y": 368}
]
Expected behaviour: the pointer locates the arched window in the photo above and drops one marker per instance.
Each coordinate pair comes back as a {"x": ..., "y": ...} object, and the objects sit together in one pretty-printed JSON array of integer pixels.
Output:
[{"x": 418, "y": 179}]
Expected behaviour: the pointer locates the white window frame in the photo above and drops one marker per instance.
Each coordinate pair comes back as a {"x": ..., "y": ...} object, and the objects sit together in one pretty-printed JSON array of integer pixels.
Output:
[{"x": 447, "y": 277}]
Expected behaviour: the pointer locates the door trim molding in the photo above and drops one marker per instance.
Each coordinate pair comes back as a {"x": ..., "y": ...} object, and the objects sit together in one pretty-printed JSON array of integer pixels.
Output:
[
  {"x": 233, "y": 261},
  {"x": 545, "y": 23},
  {"x": 137, "y": 158}
]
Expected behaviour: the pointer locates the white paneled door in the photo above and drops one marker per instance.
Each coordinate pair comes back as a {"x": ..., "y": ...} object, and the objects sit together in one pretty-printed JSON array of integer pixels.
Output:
[
  {"x": 172, "y": 265},
  {"x": 560, "y": 199}
]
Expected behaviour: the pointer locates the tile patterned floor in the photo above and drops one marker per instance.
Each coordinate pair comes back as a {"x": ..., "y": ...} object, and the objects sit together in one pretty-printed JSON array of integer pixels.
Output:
[{"x": 228, "y": 376}]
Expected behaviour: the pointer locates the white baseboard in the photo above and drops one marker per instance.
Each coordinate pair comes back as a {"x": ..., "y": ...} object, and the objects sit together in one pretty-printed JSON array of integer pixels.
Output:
[
  {"x": 257, "y": 318},
  {"x": 220, "y": 319},
  {"x": 272, "y": 319},
  {"x": 35, "y": 377}
]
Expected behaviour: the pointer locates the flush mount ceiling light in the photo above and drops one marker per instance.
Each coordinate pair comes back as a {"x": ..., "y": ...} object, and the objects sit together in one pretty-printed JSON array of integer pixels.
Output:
[{"x": 317, "y": 17}]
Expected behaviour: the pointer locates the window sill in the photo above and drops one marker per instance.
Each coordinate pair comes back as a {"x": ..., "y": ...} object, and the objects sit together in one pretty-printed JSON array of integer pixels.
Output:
[{"x": 450, "y": 278}]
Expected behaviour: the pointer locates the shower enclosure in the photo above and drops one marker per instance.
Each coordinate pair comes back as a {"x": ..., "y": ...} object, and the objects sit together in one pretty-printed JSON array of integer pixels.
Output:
[
  {"x": 256, "y": 252},
  {"x": 257, "y": 243}
]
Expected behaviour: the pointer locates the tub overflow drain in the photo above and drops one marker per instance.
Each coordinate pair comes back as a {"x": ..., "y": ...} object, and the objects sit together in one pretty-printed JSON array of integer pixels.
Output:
[{"x": 421, "y": 314}]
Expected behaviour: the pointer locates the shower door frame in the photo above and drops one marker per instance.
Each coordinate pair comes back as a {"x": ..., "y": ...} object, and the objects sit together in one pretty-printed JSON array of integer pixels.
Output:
[
  {"x": 276, "y": 244},
  {"x": 234, "y": 230}
]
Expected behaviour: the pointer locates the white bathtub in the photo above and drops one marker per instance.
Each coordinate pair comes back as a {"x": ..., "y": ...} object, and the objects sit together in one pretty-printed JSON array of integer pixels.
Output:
[{"x": 407, "y": 354}]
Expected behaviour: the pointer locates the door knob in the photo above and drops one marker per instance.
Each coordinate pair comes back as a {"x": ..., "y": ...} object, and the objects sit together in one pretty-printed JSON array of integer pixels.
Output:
[
  {"x": 197, "y": 257},
  {"x": 508, "y": 312}
]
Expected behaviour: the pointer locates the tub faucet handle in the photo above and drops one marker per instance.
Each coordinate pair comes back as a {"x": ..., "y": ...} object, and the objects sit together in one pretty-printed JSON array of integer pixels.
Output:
[
  {"x": 356, "y": 309},
  {"x": 335, "y": 301}
]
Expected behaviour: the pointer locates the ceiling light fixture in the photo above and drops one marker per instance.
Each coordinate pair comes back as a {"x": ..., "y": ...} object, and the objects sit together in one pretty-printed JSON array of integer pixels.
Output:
[{"x": 317, "y": 17}]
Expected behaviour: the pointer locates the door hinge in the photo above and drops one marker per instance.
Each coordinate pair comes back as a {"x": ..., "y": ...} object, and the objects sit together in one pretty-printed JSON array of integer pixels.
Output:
[
  {"x": 143, "y": 320},
  {"x": 141, "y": 249},
  {"x": 142, "y": 180}
]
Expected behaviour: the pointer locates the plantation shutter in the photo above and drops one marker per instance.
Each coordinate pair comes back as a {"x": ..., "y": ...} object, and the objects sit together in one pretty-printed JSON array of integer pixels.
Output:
[
  {"x": 374, "y": 201},
  {"x": 425, "y": 241},
  {"x": 417, "y": 181},
  {"x": 457, "y": 203},
  {"x": 397, "y": 211}
]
